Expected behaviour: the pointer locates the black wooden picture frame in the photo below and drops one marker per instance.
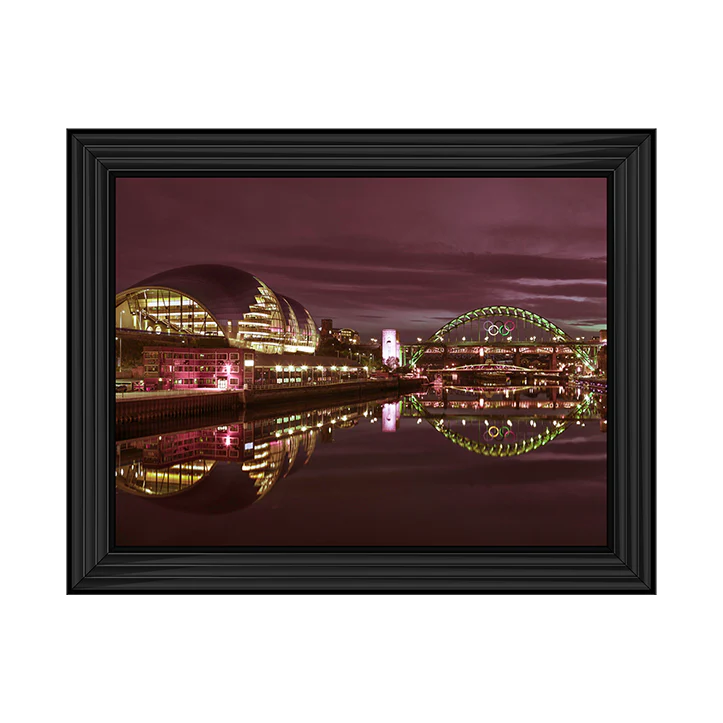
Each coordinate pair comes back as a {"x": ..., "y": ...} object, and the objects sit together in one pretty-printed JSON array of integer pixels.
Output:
[{"x": 625, "y": 157}]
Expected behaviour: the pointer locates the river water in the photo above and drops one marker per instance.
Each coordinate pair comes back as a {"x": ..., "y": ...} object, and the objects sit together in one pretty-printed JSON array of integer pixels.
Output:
[{"x": 453, "y": 466}]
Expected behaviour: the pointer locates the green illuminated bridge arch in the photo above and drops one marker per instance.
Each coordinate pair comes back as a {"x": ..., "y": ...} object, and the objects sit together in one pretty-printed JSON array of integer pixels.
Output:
[
  {"x": 504, "y": 449},
  {"x": 510, "y": 312}
]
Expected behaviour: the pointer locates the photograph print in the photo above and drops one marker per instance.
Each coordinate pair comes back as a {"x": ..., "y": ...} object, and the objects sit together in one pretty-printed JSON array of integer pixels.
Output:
[{"x": 361, "y": 362}]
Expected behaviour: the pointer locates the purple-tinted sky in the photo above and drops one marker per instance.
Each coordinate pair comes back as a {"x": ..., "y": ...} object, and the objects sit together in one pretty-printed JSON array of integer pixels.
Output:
[{"x": 372, "y": 253}]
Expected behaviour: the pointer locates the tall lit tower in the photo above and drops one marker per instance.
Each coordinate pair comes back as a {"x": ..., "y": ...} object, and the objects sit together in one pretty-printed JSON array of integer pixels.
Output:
[{"x": 390, "y": 345}]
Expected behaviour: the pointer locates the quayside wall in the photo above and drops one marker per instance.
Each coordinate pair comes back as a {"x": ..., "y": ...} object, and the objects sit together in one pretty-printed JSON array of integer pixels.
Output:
[{"x": 143, "y": 407}]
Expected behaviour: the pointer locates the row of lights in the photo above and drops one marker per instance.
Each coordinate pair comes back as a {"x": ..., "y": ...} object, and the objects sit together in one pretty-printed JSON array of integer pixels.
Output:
[
  {"x": 321, "y": 369},
  {"x": 532, "y": 338}
]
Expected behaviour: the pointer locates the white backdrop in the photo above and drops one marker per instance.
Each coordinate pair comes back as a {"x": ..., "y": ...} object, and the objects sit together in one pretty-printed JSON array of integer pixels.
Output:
[{"x": 361, "y": 65}]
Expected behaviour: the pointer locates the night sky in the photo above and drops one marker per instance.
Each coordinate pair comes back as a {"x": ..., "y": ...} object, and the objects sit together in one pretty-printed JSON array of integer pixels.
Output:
[{"x": 372, "y": 253}]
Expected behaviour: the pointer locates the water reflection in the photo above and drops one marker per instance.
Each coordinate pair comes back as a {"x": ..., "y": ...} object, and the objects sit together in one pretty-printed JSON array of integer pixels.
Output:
[
  {"x": 506, "y": 421},
  {"x": 255, "y": 453},
  {"x": 228, "y": 467}
]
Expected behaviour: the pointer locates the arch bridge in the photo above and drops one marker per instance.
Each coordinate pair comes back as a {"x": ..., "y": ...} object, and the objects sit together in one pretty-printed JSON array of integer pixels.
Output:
[{"x": 502, "y": 326}]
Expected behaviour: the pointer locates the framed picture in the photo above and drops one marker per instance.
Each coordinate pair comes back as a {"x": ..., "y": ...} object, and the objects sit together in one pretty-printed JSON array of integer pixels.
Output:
[{"x": 361, "y": 361}]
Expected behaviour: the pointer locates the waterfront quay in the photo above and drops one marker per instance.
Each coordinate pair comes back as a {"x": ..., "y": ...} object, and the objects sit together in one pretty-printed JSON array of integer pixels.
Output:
[
  {"x": 178, "y": 381},
  {"x": 213, "y": 340},
  {"x": 147, "y": 406}
]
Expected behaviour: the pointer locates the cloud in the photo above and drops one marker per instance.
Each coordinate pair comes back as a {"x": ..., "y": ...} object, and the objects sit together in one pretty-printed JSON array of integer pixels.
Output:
[{"x": 382, "y": 252}]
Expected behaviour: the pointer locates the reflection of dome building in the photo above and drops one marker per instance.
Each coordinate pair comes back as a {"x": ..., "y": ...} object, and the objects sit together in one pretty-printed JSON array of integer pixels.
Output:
[
  {"x": 206, "y": 486},
  {"x": 226, "y": 488},
  {"x": 217, "y": 301}
]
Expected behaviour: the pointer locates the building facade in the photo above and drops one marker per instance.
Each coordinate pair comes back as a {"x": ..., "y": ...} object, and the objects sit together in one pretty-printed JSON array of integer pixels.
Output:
[
  {"x": 344, "y": 335},
  {"x": 347, "y": 336},
  {"x": 230, "y": 369},
  {"x": 167, "y": 368},
  {"x": 280, "y": 372},
  {"x": 217, "y": 301},
  {"x": 327, "y": 328}
]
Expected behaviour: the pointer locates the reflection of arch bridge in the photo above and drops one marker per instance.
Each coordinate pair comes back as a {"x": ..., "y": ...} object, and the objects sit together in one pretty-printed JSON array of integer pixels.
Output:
[
  {"x": 505, "y": 438},
  {"x": 496, "y": 369},
  {"x": 493, "y": 331}
]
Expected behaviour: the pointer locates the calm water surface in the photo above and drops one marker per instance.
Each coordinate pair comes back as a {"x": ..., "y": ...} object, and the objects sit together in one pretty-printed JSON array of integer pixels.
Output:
[{"x": 453, "y": 466}]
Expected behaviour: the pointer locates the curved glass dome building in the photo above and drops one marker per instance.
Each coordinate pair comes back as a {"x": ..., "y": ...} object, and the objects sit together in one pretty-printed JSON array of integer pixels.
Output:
[{"x": 217, "y": 301}]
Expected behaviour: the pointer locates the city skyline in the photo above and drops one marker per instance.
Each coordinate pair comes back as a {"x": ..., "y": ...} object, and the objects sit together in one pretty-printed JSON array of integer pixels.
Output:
[{"x": 372, "y": 253}]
